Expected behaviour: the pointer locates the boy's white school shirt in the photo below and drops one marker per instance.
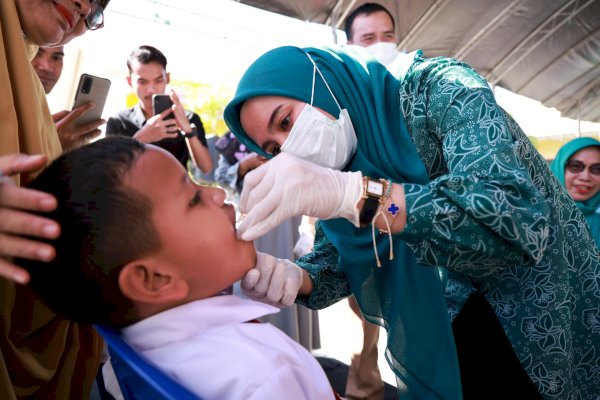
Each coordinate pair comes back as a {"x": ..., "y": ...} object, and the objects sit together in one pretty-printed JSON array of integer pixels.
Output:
[{"x": 210, "y": 347}]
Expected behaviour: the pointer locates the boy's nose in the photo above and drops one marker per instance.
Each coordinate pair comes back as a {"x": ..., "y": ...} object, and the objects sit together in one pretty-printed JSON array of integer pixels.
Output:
[{"x": 218, "y": 195}]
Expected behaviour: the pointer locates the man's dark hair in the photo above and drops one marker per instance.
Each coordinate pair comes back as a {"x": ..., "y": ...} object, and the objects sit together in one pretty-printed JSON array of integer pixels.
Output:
[
  {"x": 104, "y": 222},
  {"x": 146, "y": 55},
  {"x": 365, "y": 9}
]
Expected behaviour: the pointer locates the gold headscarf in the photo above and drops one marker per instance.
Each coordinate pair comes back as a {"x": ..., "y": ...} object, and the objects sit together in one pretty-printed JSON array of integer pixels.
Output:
[
  {"x": 27, "y": 125},
  {"x": 41, "y": 355}
]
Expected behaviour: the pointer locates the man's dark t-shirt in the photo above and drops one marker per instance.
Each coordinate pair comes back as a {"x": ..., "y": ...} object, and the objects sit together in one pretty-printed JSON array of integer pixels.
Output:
[{"x": 128, "y": 122}]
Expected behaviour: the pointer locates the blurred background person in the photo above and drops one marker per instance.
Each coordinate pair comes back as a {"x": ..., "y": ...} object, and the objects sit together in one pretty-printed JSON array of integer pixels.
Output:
[
  {"x": 577, "y": 166},
  {"x": 48, "y": 65},
  {"x": 148, "y": 76},
  {"x": 373, "y": 27}
]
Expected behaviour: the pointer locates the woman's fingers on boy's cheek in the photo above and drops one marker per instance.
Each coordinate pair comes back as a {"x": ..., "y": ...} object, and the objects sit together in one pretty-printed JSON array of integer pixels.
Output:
[
  {"x": 15, "y": 222},
  {"x": 275, "y": 290},
  {"x": 250, "y": 280},
  {"x": 13, "y": 246}
]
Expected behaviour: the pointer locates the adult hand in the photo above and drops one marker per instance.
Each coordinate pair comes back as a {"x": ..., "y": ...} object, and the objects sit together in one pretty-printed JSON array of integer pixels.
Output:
[
  {"x": 17, "y": 220},
  {"x": 249, "y": 162},
  {"x": 158, "y": 127},
  {"x": 72, "y": 134},
  {"x": 287, "y": 186},
  {"x": 273, "y": 281},
  {"x": 179, "y": 112}
]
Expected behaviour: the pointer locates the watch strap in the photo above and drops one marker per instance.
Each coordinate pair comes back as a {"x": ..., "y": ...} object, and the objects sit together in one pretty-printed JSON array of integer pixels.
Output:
[
  {"x": 192, "y": 133},
  {"x": 368, "y": 211}
]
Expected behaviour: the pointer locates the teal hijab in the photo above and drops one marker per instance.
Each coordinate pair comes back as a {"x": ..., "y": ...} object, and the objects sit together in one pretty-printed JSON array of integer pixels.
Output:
[
  {"x": 558, "y": 166},
  {"x": 403, "y": 297}
]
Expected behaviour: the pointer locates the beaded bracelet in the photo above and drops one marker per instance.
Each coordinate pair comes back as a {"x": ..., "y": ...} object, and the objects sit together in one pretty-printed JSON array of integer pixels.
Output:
[{"x": 393, "y": 210}]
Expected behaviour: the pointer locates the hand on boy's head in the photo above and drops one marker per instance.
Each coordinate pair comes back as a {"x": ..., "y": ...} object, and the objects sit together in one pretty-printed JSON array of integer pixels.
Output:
[{"x": 17, "y": 219}]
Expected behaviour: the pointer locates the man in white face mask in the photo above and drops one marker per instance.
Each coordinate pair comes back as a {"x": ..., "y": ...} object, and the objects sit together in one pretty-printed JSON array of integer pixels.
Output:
[{"x": 372, "y": 26}]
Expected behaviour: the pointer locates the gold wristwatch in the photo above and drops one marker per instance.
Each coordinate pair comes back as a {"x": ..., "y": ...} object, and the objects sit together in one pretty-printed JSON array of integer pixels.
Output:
[{"x": 372, "y": 193}]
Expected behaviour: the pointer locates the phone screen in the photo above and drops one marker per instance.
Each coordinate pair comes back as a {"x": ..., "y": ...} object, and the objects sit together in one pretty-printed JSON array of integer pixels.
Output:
[{"x": 161, "y": 102}]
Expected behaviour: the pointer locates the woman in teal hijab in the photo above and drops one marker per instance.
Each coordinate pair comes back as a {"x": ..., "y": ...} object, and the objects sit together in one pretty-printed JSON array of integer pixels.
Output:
[
  {"x": 451, "y": 181},
  {"x": 577, "y": 166}
]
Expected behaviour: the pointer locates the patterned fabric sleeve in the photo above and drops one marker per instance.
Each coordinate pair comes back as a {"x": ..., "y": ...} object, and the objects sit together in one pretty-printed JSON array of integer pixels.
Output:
[
  {"x": 330, "y": 284},
  {"x": 481, "y": 210}
]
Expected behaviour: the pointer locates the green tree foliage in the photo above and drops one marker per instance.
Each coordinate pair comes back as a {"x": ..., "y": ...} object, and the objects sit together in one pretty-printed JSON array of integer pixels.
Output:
[{"x": 207, "y": 101}]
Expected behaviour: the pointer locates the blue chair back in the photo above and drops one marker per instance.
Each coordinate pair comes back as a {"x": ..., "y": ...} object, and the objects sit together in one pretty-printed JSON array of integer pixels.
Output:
[{"x": 138, "y": 378}]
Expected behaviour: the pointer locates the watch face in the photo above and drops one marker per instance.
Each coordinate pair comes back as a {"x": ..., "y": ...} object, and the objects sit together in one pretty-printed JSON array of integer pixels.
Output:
[{"x": 375, "y": 188}]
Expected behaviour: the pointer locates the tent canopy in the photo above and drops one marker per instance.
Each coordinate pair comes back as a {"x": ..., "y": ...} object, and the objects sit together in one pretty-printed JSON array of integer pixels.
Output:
[{"x": 547, "y": 50}]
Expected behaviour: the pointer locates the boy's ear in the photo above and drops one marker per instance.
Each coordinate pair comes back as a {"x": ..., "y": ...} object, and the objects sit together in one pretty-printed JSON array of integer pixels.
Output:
[
  {"x": 129, "y": 81},
  {"x": 146, "y": 282}
]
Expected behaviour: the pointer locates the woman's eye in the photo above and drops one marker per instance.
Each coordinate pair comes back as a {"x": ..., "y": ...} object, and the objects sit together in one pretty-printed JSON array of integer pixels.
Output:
[
  {"x": 276, "y": 149},
  {"x": 196, "y": 199},
  {"x": 285, "y": 122}
]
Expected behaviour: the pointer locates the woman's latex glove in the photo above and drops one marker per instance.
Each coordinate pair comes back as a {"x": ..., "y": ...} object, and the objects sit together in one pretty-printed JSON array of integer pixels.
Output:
[
  {"x": 274, "y": 281},
  {"x": 287, "y": 186}
]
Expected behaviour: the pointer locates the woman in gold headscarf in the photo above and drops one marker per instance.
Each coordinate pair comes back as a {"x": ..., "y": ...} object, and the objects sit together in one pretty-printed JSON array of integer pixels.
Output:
[{"x": 41, "y": 355}]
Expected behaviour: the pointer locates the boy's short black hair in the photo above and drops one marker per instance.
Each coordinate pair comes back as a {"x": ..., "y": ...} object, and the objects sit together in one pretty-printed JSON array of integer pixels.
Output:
[
  {"x": 365, "y": 9},
  {"x": 104, "y": 224},
  {"x": 146, "y": 55}
]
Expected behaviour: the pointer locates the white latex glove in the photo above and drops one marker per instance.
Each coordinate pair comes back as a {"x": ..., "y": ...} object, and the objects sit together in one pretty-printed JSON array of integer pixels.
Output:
[
  {"x": 273, "y": 281},
  {"x": 287, "y": 186}
]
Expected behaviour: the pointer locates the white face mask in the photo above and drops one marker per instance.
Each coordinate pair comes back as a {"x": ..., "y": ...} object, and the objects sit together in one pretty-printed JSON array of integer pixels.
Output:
[
  {"x": 323, "y": 141},
  {"x": 319, "y": 139},
  {"x": 384, "y": 52}
]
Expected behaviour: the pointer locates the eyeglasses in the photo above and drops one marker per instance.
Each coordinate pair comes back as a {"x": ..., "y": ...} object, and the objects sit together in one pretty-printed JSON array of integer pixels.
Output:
[
  {"x": 576, "y": 167},
  {"x": 95, "y": 20}
]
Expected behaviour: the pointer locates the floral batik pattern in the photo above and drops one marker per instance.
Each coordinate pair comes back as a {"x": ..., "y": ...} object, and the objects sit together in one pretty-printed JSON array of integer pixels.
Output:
[{"x": 496, "y": 217}]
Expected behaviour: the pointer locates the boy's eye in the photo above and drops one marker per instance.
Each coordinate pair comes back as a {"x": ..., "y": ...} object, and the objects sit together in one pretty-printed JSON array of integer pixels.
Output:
[{"x": 196, "y": 199}]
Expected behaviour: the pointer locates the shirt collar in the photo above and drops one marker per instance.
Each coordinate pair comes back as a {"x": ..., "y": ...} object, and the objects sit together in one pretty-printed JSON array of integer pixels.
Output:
[
  {"x": 190, "y": 319},
  {"x": 138, "y": 115}
]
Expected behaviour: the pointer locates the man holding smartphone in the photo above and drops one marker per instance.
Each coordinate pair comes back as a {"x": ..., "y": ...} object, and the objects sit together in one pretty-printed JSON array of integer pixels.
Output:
[
  {"x": 48, "y": 65},
  {"x": 183, "y": 136}
]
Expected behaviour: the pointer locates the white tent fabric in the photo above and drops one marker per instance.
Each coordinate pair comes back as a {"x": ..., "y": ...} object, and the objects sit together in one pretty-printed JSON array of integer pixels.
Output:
[{"x": 547, "y": 50}]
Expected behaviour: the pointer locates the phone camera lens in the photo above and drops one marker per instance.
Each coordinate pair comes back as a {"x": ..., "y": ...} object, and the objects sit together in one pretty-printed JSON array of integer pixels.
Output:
[{"x": 87, "y": 85}]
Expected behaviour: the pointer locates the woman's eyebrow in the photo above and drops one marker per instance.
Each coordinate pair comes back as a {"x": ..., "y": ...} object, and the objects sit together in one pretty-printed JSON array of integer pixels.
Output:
[{"x": 273, "y": 115}]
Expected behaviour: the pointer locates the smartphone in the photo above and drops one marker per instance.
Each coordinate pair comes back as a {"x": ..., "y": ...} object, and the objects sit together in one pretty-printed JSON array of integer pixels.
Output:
[
  {"x": 160, "y": 102},
  {"x": 95, "y": 89}
]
